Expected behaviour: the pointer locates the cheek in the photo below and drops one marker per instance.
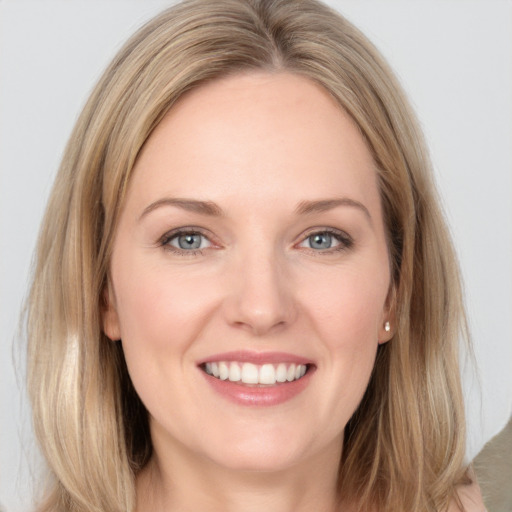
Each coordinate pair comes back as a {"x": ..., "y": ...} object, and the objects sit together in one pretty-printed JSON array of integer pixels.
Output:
[
  {"x": 160, "y": 314},
  {"x": 157, "y": 306},
  {"x": 350, "y": 309},
  {"x": 347, "y": 316}
]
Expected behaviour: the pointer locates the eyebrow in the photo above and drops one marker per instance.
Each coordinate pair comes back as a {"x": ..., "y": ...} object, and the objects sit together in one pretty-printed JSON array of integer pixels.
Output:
[
  {"x": 309, "y": 207},
  {"x": 212, "y": 209},
  {"x": 191, "y": 205}
]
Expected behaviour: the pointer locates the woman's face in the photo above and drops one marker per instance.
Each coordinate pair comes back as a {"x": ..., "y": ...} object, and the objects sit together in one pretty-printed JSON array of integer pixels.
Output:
[{"x": 251, "y": 249}]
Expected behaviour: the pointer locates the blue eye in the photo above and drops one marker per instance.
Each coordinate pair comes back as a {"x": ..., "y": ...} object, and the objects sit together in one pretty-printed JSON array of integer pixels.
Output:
[
  {"x": 320, "y": 241},
  {"x": 327, "y": 241},
  {"x": 187, "y": 241},
  {"x": 190, "y": 241}
]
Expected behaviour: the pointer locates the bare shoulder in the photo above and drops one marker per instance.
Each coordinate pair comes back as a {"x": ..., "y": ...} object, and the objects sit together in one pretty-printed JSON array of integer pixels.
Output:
[{"x": 470, "y": 497}]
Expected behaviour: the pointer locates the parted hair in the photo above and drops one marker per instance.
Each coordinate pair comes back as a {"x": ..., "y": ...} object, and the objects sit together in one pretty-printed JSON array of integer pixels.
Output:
[{"x": 404, "y": 447}]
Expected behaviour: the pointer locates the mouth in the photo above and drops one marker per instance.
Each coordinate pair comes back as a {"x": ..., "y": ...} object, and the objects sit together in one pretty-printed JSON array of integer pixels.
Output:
[
  {"x": 250, "y": 374},
  {"x": 249, "y": 378}
]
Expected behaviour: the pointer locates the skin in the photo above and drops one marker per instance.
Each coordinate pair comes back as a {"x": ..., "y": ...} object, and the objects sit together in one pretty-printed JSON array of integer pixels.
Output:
[
  {"x": 257, "y": 145},
  {"x": 470, "y": 496}
]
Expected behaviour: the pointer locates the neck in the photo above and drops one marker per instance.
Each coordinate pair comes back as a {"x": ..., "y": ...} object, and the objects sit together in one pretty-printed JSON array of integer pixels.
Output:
[{"x": 184, "y": 482}]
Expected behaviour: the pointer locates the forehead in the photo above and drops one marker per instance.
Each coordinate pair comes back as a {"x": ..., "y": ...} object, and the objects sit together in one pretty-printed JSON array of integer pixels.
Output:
[{"x": 258, "y": 136}]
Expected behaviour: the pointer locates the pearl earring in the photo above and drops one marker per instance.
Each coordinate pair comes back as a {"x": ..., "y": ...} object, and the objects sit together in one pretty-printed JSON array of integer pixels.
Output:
[{"x": 387, "y": 327}]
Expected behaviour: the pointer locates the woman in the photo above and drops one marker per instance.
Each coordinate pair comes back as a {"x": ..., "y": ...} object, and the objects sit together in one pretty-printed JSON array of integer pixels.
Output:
[{"x": 245, "y": 296}]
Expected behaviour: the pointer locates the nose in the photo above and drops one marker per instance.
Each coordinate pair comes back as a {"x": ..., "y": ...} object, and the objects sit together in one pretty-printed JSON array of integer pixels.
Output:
[{"x": 260, "y": 300}]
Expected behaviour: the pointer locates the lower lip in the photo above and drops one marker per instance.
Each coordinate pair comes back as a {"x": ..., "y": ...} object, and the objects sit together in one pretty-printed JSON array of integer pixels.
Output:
[{"x": 259, "y": 395}]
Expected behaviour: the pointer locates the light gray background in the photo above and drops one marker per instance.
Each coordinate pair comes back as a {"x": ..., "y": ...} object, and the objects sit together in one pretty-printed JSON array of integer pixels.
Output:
[{"x": 453, "y": 56}]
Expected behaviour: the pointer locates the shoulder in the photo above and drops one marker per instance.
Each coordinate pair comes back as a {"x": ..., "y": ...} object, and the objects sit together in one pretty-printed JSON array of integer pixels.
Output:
[{"x": 469, "y": 496}]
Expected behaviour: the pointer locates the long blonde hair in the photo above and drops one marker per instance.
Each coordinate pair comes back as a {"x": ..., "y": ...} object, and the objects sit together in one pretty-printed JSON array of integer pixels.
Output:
[{"x": 404, "y": 446}]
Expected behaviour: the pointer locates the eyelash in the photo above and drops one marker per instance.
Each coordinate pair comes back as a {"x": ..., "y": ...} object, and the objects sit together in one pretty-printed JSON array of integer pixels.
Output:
[
  {"x": 166, "y": 239},
  {"x": 345, "y": 241}
]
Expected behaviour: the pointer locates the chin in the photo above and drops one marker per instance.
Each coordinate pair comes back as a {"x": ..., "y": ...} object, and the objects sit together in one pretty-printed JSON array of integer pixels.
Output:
[
  {"x": 258, "y": 461},
  {"x": 264, "y": 450}
]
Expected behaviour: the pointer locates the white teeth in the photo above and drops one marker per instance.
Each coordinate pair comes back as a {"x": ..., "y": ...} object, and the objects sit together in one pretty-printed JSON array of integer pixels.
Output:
[
  {"x": 290, "y": 374},
  {"x": 223, "y": 371},
  {"x": 234, "y": 372},
  {"x": 267, "y": 374},
  {"x": 281, "y": 372},
  {"x": 249, "y": 373}
]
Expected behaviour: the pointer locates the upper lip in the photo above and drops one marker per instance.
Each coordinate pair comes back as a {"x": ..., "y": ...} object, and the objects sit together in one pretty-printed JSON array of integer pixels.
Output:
[{"x": 247, "y": 356}]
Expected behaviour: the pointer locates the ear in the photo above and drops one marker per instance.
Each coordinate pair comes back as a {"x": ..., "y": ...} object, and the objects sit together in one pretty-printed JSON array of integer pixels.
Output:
[
  {"x": 387, "y": 328},
  {"x": 110, "y": 318}
]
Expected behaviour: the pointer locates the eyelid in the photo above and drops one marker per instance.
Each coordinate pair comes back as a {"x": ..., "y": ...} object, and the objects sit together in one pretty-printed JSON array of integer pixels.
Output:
[
  {"x": 186, "y": 230},
  {"x": 344, "y": 239}
]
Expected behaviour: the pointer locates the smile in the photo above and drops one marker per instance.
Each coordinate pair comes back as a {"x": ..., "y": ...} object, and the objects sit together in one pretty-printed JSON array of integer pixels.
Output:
[
  {"x": 251, "y": 378},
  {"x": 249, "y": 373}
]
